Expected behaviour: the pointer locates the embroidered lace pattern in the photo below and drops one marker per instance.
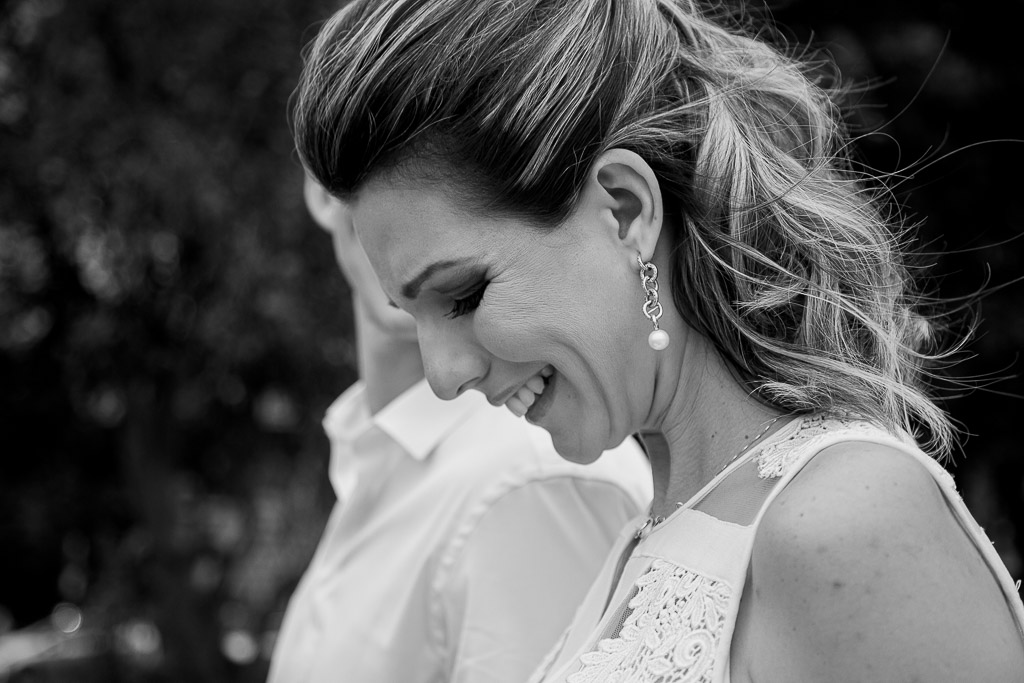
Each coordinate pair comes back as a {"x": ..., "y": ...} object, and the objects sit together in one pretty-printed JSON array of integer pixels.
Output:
[
  {"x": 778, "y": 456},
  {"x": 674, "y": 624},
  {"x": 671, "y": 634}
]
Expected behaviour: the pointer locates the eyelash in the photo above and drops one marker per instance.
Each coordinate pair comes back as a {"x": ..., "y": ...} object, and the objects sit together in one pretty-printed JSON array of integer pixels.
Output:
[{"x": 468, "y": 303}]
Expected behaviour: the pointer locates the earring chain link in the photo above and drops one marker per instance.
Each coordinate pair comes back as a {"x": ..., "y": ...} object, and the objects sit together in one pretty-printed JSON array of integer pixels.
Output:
[{"x": 649, "y": 280}]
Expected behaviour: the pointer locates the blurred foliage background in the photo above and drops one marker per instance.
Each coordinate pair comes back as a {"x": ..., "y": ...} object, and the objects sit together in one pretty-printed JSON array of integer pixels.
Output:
[{"x": 172, "y": 326}]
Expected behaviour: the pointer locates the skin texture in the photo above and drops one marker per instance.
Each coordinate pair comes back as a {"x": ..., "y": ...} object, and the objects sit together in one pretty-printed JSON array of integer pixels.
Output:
[
  {"x": 849, "y": 562},
  {"x": 859, "y": 573},
  {"x": 560, "y": 297},
  {"x": 567, "y": 298}
]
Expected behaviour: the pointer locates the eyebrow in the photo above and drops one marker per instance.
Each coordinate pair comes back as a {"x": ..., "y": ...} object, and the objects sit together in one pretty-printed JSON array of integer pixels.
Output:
[{"x": 411, "y": 289}]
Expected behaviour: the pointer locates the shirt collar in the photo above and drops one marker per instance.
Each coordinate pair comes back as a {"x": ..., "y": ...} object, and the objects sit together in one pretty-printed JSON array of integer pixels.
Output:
[
  {"x": 348, "y": 416},
  {"x": 418, "y": 420}
]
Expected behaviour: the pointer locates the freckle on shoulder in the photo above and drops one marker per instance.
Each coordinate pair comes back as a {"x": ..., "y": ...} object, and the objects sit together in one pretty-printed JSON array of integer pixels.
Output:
[
  {"x": 853, "y": 497},
  {"x": 879, "y": 563}
]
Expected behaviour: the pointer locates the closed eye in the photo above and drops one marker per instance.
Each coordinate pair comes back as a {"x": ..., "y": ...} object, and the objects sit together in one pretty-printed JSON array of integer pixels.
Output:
[{"x": 467, "y": 304}]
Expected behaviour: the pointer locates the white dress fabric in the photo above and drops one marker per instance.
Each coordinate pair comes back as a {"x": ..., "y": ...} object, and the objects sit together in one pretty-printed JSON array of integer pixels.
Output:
[
  {"x": 459, "y": 548},
  {"x": 672, "y": 614}
]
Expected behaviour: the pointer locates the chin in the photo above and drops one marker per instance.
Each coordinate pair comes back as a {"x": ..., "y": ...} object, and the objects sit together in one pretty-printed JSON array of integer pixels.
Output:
[{"x": 572, "y": 449}]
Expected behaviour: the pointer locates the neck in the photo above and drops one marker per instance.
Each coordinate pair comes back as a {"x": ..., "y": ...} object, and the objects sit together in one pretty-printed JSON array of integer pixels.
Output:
[
  {"x": 388, "y": 364},
  {"x": 707, "y": 418}
]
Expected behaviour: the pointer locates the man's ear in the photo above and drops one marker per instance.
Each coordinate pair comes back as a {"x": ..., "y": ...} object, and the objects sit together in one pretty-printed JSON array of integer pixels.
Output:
[
  {"x": 627, "y": 188},
  {"x": 325, "y": 209}
]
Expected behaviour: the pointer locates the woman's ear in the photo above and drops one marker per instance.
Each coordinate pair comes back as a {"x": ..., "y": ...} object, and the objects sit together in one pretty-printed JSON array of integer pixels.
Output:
[
  {"x": 325, "y": 209},
  {"x": 628, "y": 189}
]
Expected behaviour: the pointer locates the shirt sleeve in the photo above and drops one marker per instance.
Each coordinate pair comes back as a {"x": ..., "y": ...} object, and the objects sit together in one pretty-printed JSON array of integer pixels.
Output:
[{"x": 518, "y": 572}]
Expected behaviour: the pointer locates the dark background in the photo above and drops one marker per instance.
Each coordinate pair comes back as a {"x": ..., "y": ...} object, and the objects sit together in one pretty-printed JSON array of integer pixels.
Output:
[{"x": 172, "y": 326}]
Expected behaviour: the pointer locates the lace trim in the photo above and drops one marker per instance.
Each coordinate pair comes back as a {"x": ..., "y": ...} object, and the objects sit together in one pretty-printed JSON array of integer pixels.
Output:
[
  {"x": 776, "y": 457},
  {"x": 670, "y": 636}
]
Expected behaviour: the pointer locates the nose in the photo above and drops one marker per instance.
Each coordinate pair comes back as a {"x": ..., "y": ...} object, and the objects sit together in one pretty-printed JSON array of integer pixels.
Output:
[{"x": 452, "y": 360}]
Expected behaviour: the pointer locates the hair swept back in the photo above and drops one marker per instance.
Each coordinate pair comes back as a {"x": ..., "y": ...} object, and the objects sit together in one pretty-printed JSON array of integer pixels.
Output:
[{"x": 786, "y": 258}]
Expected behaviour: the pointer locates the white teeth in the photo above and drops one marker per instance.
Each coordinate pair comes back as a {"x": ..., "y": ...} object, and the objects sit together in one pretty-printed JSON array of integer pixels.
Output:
[
  {"x": 517, "y": 407},
  {"x": 528, "y": 393},
  {"x": 527, "y": 396}
]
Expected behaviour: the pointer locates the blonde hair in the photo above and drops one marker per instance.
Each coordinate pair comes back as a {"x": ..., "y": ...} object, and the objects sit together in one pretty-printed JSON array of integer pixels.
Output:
[{"x": 785, "y": 257}]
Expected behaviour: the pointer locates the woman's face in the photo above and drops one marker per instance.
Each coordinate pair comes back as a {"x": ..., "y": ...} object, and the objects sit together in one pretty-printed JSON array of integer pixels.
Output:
[{"x": 544, "y": 320}]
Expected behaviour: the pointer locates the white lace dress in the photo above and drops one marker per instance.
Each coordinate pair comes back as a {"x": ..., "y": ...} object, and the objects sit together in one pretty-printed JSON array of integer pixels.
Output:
[{"x": 671, "y": 616}]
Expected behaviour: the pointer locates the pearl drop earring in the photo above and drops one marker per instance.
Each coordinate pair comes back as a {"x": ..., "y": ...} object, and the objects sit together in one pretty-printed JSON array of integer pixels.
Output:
[{"x": 658, "y": 339}]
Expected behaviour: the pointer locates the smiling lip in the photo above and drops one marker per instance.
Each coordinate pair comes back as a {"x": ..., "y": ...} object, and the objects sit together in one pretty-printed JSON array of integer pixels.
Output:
[
  {"x": 503, "y": 397},
  {"x": 526, "y": 395},
  {"x": 541, "y": 406}
]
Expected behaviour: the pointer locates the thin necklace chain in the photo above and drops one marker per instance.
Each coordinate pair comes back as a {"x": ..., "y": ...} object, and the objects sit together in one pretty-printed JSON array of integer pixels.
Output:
[
  {"x": 748, "y": 446},
  {"x": 653, "y": 521}
]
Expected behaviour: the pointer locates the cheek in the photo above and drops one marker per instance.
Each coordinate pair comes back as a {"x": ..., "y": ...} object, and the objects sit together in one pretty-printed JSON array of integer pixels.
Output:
[
  {"x": 576, "y": 332},
  {"x": 524, "y": 324}
]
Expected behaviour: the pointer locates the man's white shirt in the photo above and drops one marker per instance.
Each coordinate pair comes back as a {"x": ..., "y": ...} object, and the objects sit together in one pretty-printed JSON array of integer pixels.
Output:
[{"x": 460, "y": 546}]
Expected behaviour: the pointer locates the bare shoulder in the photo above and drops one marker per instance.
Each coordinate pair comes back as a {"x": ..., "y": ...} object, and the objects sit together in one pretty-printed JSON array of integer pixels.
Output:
[
  {"x": 855, "y": 491},
  {"x": 861, "y": 572}
]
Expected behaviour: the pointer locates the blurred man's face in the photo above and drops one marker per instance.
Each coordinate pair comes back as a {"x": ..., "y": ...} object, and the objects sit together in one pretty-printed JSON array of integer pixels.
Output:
[{"x": 333, "y": 216}]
